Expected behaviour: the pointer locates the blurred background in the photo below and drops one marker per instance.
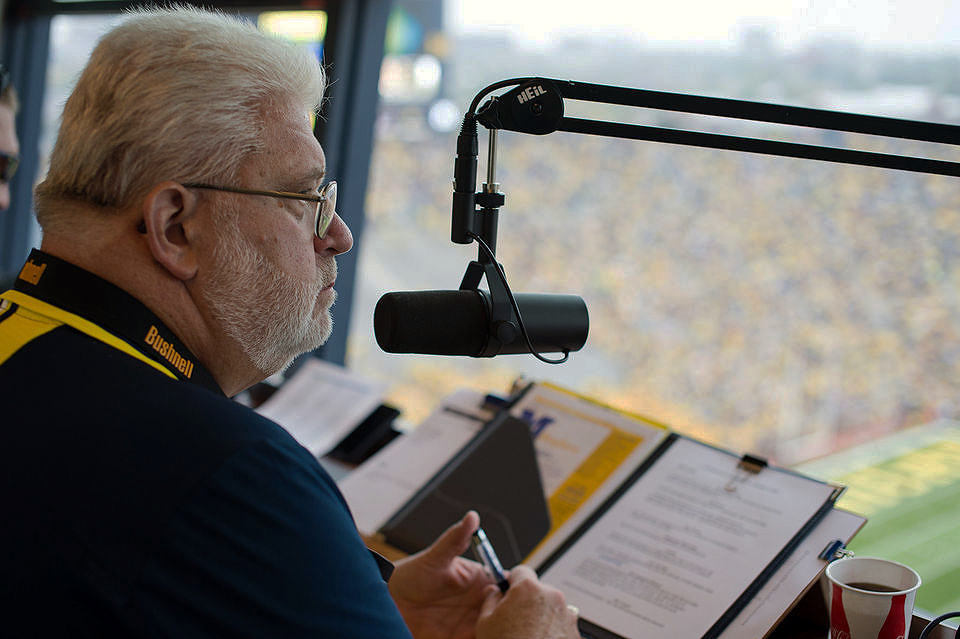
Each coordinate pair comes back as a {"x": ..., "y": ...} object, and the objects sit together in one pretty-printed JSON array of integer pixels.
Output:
[{"x": 787, "y": 306}]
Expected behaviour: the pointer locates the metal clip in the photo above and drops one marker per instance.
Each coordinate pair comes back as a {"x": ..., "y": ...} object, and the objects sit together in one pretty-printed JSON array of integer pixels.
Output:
[{"x": 836, "y": 549}]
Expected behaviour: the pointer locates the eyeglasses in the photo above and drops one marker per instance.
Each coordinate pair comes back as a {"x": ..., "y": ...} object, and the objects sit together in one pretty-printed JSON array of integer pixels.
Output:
[
  {"x": 8, "y": 166},
  {"x": 326, "y": 201}
]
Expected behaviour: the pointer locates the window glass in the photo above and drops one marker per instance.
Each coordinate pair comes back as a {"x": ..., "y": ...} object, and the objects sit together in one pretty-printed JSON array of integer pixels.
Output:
[
  {"x": 790, "y": 305},
  {"x": 791, "y": 308},
  {"x": 72, "y": 38}
]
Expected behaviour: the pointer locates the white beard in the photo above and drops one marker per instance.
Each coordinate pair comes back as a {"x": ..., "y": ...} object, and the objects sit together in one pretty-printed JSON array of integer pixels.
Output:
[{"x": 270, "y": 314}]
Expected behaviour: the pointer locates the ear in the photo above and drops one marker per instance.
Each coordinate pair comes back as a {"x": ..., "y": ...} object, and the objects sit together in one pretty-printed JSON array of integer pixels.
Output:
[{"x": 168, "y": 209}]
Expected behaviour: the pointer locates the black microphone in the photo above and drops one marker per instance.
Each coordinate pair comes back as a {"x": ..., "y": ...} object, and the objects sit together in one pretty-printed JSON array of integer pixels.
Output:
[{"x": 459, "y": 323}]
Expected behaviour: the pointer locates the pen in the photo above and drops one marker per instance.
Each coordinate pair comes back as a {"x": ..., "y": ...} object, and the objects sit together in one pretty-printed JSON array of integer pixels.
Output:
[{"x": 485, "y": 554}]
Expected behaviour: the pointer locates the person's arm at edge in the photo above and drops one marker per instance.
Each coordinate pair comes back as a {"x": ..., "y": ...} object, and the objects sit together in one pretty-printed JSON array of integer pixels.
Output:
[{"x": 267, "y": 547}]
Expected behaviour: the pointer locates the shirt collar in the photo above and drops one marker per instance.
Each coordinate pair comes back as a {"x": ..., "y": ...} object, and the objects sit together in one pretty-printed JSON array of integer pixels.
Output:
[{"x": 78, "y": 291}]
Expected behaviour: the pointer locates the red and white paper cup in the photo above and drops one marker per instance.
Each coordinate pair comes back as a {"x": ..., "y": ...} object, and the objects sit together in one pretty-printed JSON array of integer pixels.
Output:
[{"x": 870, "y": 598}]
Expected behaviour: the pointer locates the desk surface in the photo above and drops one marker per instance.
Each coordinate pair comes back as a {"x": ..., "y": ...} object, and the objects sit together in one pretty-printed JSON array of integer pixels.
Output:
[{"x": 809, "y": 620}]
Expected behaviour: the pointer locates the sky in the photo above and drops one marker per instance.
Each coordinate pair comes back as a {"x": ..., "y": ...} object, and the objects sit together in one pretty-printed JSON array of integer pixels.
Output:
[{"x": 915, "y": 24}]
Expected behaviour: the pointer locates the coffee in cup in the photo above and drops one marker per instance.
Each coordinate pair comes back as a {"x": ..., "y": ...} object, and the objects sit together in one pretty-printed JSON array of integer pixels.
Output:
[{"x": 870, "y": 598}]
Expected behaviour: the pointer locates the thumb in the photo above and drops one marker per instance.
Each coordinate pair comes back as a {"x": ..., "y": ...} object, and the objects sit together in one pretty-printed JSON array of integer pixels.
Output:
[
  {"x": 490, "y": 601},
  {"x": 455, "y": 539}
]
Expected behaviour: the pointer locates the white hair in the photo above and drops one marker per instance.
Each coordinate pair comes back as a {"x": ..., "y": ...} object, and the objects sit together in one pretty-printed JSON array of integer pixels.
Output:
[{"x": 171, "y": 94}]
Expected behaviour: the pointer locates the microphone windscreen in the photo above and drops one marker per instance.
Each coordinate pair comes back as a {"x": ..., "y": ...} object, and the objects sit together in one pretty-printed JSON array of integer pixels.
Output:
[{"x": 431, "y": 322}]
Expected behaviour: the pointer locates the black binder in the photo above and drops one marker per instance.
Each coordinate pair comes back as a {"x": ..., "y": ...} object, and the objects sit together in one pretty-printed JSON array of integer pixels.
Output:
[{"x": 495, "y": 474}]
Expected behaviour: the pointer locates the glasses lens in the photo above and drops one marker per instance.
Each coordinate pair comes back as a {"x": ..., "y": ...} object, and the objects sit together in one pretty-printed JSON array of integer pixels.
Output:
[
  {"x": 326, "y": 208},
  {"x": 8, "y": 166}
]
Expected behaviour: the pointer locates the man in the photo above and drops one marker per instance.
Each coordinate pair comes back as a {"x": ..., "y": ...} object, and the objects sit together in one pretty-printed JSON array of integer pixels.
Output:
[
  {"x": 9, "y": 150},
  {"x": 9, "y": 146},
  {"x": 189, "y": 244}
]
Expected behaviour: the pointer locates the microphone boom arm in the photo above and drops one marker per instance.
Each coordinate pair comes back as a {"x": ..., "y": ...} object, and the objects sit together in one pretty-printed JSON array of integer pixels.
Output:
[
  {"x": 535, "y": 105},
  {"x": 539, "y": 115}
]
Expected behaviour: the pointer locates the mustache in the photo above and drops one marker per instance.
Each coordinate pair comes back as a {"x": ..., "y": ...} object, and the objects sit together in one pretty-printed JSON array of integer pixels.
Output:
[{"x": 326, "y": 274}]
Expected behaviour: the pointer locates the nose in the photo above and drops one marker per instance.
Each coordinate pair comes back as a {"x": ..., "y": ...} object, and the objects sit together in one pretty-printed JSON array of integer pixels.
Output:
[
  {"x": 338, "y": 239},
  {"x": 4, "y": 196}
]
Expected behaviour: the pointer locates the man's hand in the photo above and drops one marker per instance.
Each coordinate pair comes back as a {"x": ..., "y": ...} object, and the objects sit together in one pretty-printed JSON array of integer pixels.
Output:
[
  {"x": 438, "y": 592},
  {"x": 528, "y": 610}
]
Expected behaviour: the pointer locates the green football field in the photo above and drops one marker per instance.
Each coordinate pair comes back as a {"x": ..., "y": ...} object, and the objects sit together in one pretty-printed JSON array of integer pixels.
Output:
[{"x": 908, "y": 486}]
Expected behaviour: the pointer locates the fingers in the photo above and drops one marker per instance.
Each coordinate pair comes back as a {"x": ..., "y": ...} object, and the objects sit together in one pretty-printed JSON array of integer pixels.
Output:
[
  {"x": 529, "y": 608},
  {"x": 470, "y": 522},
  {"x": 492, "y": 597},
  {"x": 455, "y": 539},
  {"x": 522, "y": 576},
  {"x": 571, "y": 625},
  {"x": 520, "y": 573},
  {"x": 524, "y": 584}
]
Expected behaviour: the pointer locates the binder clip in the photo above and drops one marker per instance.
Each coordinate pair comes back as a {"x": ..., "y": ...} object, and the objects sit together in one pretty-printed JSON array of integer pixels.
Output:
[
  {"x": 836, "y": 549},
  {"x": 747, "y": 466}
]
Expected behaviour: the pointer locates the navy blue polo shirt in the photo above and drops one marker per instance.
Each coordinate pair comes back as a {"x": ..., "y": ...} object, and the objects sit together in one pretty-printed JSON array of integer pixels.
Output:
[{"x": 138, "y": 500}]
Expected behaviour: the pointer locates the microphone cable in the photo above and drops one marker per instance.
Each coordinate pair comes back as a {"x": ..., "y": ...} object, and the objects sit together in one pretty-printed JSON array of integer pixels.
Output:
[
  {"x": 513, "y": 303},
  {"x": 936, "y": 622},
  {"x": 471, "y": 112},
  {"x": 493, "y": 87}
]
